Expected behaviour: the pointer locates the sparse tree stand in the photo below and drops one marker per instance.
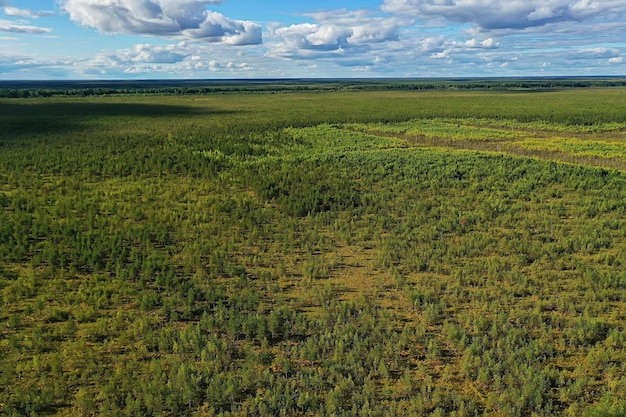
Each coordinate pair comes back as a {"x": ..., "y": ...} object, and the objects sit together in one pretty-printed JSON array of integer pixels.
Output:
[{"x": 398, "y": 251}]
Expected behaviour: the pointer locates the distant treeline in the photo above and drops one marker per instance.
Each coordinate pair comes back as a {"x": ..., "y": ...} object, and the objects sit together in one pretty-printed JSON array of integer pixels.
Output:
[{"x": 27, "y": 89}]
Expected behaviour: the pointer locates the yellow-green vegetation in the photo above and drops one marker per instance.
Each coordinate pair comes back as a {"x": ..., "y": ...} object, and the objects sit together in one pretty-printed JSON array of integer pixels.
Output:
[
  {"x": 301, "y": 254},
  {"x": 600, "y": 144}
]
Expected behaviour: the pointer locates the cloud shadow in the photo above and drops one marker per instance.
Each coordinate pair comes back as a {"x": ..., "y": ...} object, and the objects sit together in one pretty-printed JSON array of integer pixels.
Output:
[{"x": 27, "y": 119}]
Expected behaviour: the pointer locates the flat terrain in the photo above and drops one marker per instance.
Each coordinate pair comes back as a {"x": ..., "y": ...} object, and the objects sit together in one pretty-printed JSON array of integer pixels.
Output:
[{"x": 355, "y": 253}]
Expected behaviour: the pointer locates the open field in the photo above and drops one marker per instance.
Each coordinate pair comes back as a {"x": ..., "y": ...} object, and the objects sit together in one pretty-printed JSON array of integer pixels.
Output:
[{"x": 365, "y": 253}]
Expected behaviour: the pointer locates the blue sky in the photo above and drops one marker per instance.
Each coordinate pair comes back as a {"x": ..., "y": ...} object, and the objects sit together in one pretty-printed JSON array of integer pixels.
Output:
[{"x": 140, "y": 39}]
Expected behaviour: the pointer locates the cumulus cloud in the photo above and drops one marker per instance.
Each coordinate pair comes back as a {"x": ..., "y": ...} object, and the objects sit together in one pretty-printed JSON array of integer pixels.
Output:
[
  {"x": 14, "y": 27},
  {"x": 188, "y": 19},
  {"x": 229, "y": 66},
  {"x": 414, "y": 38},
  {"x": 178, "y": 60},
  {"x": 312, "y": 36},
  {"x": 144, "y": 54},
  {"x": 484, "y": 44},
  {"x": 469, "y": 48},
  {"x": 336, "y": 33},
  {"x": 363, "y": 27},
  {"x": 514, "y": 14},
  {"x": 141, "y": 58},
  {"x": 151, "y": 54}
]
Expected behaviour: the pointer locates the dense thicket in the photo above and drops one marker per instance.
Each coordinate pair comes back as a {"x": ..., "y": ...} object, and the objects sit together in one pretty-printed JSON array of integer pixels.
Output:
[{"x": 283, "y": 255}]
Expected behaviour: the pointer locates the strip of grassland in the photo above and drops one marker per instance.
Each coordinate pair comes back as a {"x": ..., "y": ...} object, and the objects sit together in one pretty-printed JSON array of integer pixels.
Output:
[{"x": 602, "y": 144}]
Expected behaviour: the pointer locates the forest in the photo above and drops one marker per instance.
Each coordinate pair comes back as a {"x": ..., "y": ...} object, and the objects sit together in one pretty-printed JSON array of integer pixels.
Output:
[
  {"x": 85, "y": 88},
  {"x": 351, "y": 252}
]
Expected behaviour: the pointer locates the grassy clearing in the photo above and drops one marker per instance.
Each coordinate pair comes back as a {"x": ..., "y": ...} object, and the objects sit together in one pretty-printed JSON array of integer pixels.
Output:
[{"x": 602, "y": 144}]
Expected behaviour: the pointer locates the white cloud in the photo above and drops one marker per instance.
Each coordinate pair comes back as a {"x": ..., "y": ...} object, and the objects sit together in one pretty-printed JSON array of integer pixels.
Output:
[
  {"x": 413, "y": 38},
  {"x": 179, "y": 60},
  {"x": 153, "y": 54},
  {"x": 14, "y": 11},
  {"x": 141, "y": 55},
  {"x": 312, "y": 36},
  {"x": 28, "y": 67},
  {"x": 484, "y": 44},
  {"x": 594, "y": 53},
  {"x": 363, "y": 26},
  {"x": 441, "y": 55},
  {"x": 188, "y": 19},
  {"x": 337, "y": 34},
  {"x": 542, "y": 13},
  {"x": 513, "y": 14},
  {"x": 14, "y": 27}
]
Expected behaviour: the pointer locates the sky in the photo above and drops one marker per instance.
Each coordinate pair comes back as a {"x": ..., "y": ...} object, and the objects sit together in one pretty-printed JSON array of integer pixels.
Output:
[{"x": 218, "y": 39}]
